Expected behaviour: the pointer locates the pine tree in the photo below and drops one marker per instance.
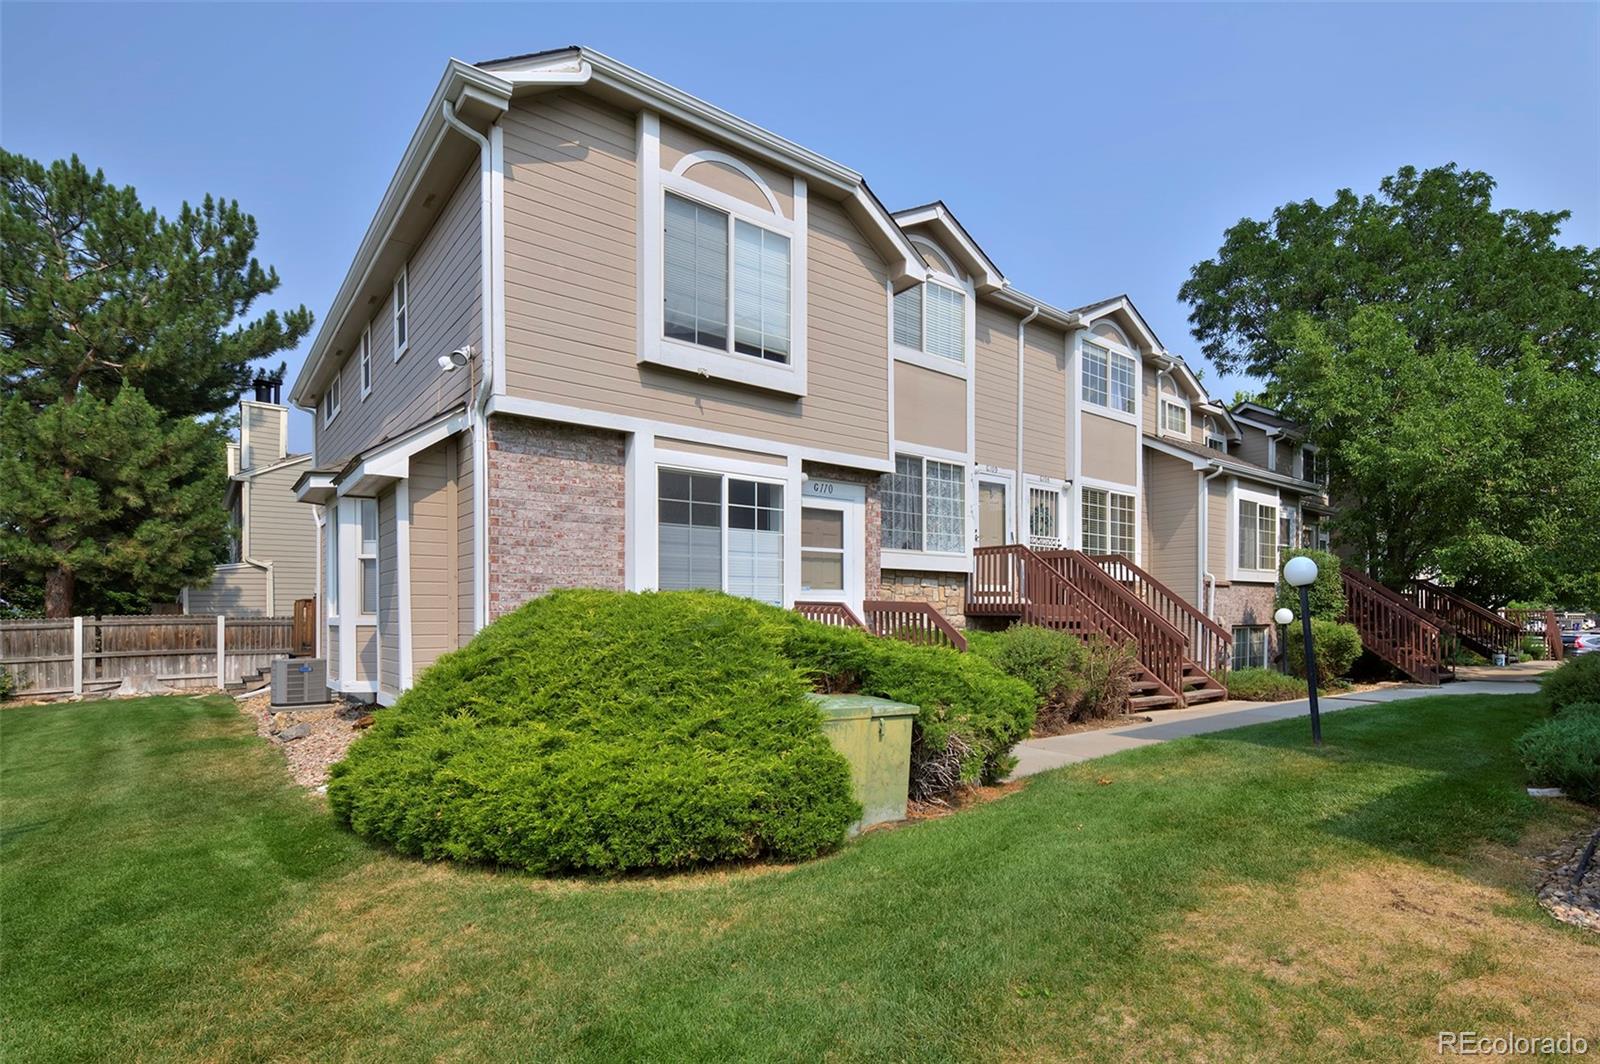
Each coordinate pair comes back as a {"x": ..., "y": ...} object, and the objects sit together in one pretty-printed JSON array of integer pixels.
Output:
[{"x": 126, "y": 338}]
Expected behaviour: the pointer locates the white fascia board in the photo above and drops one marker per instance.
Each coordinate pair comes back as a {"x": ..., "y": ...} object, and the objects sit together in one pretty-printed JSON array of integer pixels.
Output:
[
  {"x": 392, "y": 461},
  {"x": 459, "y": 80},
  {"x": 1147, "y": 335},
  {"x": 1048, "y": 314},
  {"x": 985, "y": 274}
]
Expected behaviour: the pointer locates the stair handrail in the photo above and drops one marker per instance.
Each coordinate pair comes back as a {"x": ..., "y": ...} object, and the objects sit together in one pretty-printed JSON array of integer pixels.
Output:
[
  {"x": 1392, "y": 627},
  {"x": 929, "y": 625},
  {"x": 830, "y": 613},
  {"x": 1494, "y": 629},
  {"x": 1163, "y": 648},
  {"x": 1211, "y": 656}
]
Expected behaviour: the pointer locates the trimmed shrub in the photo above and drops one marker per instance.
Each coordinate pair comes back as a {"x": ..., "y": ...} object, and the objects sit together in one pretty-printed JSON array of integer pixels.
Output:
[
  {"x": 1263, "y": 685},
  {"x": 1579, "y": 709},
  {"x": 1564, "y": 752},
  {"x": 1577, "y": 680},
  {"x": 1326, "y": 594},
  {"x": 1108, "y": 678},
  {"x": 601, "y": 731},
  {"x": 1337, "y": 648},
  {"x": 972, "y": 714},
  {"x": 1050, "y": 661}
]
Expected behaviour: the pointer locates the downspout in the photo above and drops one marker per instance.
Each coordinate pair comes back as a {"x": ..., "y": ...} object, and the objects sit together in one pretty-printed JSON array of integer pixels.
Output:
[
  {"x": 1022, "y": 490},
  {"x": 477, "y": 416},
  {"x": 1208, "y": 580}
]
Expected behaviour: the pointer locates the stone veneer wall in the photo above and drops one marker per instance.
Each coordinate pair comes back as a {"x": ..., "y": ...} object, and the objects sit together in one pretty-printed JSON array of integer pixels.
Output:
[
  {"x": 947, "y": 592},
  {"x": 557, "y": 510}
]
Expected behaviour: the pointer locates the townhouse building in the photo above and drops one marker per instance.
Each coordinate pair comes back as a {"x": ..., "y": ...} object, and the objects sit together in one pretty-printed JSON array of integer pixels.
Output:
[{"x": 602, "y": 333}]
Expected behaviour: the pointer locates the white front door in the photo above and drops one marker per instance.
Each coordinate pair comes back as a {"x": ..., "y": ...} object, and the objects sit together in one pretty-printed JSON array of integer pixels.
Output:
[{"x": 833, "y": 547}]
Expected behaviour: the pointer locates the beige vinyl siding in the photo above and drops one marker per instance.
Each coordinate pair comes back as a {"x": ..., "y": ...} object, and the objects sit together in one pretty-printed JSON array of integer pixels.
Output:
[
  {"x": 731, "y": 454},
  {"x": 571, "y": 288},
  {"x": 1149, "y": 394},
  {"x": 366, "y": 653},
  {"x": 1252, "y": 445},
  {"x": 443, "y": 313},
  {"x": 435, "y": 623},
  {"x": 1172, "y": 523},
  {"x": 262, "y": 425},
  {"x": 930, "y": 408},
  {"x": 1044, "y": 439},
  {"x": 388, "y": 593},
  {"x": 237, "y": 591},
  {"x": 283, "y": 532},
  {"x": 1217, "y": 529},
  {"x": 465, "y": 582},
  {"x": 1110, "y": 449},
  {"x": 994, "y": 390}
]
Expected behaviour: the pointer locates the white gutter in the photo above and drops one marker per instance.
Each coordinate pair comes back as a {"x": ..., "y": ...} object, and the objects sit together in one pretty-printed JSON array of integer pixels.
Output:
[
  {"x": 1208, "y": 580},
  {"x": 477, "y": 420},
  {"x": 1022, "y": 488}
]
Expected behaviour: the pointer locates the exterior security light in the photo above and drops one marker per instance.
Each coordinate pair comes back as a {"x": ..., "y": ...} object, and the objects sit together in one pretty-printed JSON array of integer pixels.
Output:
[
  {"x": 456, "y": 359},
  {"x": 1284, "y": 615},
  {"x": 1300, "y": 572}
]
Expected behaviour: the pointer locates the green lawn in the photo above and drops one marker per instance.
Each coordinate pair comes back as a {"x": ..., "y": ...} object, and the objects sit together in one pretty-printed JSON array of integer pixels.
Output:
[{"x": 167, "y": 892}]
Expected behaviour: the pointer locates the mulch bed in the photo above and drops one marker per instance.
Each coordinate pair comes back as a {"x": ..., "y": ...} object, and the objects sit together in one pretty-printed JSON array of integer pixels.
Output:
[
  {"x": 1580, "y": 904},
  {"x": 312, "y": 738}
]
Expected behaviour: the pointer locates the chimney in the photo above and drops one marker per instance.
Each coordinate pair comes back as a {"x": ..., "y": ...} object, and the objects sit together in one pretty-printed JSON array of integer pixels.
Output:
[{"x": 268, "y": 389}]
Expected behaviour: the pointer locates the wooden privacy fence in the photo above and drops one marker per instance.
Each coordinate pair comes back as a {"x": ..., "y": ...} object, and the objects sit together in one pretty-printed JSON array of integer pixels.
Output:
[{"x": 92, "y": 655}]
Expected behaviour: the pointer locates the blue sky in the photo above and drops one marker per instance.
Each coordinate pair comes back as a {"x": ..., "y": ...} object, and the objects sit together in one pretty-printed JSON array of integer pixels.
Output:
[{"x": 1090, "y": 149}]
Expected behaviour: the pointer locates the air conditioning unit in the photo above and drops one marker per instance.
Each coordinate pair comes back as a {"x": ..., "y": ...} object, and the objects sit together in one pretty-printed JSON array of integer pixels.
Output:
[{"x": 299, "y": 681}]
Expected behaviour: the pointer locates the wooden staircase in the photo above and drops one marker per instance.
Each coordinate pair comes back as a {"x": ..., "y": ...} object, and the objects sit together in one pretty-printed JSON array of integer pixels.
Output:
[
  {"x": 1393, "y": 628},
  {"x": 1482, "y": 630},
  {"x": 1069, "y": 590}
]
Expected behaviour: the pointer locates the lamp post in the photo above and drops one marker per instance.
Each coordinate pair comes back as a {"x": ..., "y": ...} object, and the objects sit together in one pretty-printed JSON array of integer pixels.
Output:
[
  {"x": 1283, "y": 617},
  {"x": 1301, "y": 572}
]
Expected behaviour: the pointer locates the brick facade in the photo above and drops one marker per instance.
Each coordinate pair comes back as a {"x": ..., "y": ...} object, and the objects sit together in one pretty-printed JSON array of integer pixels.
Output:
[
  {"x": 557, "y": 510},
  {"x": 1248, "y": 604}
]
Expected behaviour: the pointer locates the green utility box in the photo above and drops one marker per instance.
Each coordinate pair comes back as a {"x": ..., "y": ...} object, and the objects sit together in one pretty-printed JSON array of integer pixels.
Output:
[{"x": 874, "y": 735}]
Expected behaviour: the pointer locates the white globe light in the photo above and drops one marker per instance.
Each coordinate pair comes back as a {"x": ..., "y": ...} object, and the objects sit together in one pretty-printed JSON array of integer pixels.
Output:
[
  {"x": 1300, "y": 571},
  {"x": 1284, "y": 615}
]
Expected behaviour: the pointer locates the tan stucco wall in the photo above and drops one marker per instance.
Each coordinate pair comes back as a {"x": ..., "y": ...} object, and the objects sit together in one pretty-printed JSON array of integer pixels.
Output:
[{"x": 930, "y": 408}]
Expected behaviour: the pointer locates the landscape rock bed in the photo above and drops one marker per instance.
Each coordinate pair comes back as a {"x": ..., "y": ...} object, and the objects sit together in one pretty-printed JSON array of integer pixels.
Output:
[
  {"x": 312, "y": 738},
  {"x": 1580, "y": 904}
]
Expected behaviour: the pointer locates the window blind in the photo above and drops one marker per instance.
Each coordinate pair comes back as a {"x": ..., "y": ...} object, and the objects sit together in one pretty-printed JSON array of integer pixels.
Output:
[
  {"x": 695, "y": 273},
  {"x": 760, "y": 292}
]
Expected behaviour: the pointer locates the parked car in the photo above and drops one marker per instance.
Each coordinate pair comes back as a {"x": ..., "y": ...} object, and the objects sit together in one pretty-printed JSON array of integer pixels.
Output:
[{"x": 1583, "y": 643}]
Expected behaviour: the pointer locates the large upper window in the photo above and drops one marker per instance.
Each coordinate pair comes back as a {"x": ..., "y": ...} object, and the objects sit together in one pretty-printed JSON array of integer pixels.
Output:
[
  {"x": 1108, "y": 378},
  {"x": 1108, "y": 522},
  {"x": 720, "y": 533},
  {"x": 1258, "y": 536},
  {"x": 924, "y": 506},
  {"x": 932, "y": 317},
  {"x": 704, "y": 249},
  {"x": 1174, "y": 411}
]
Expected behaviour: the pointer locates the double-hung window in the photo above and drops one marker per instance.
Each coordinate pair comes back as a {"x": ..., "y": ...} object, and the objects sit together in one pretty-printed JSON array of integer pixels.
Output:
[
  {"x": 400, "y": 297},
  {"x": 1108, "y": 378},
  {"x": 932, "y": 318},
  {"x": 1044, "y": 518},
  {"x": 1217, "y": 443},
  {"x": 925, "y": 506},
  {"x": 368, "y": 556},
  {"x": 1174, "y": 414},
  {"x": 1286, "y": 527},
  {"x": 366, "y": 361},
  {"x": 330, "y": 401},
  {"x": 1108, "y": 522},
  {"x": 1250, "y": 646},
  {"x": 332, "y": 560},
  {"x": 726, "y": 282},
  {"x": 1258, "y": 536},
  {"x": 719, "y": 533}
]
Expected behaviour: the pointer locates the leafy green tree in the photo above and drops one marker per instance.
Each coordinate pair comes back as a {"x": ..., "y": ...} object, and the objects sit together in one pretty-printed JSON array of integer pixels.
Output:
[
  {"x": 1429, "y": 248},
  {"x": 143, "y": 322}
]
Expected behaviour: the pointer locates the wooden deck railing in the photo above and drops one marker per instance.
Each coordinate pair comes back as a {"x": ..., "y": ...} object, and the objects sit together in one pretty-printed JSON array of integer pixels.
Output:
[
  {"x": 1392, "y": 628},
  {"x": 1541, "y": 623},
  {"x": 1484, "y": 630},
  {"x": 912, "y": 622},
  {"x": 1210, "y": 644},
  {"x": 1163, "y": 648},
  {"x": 836, "y": 614}
]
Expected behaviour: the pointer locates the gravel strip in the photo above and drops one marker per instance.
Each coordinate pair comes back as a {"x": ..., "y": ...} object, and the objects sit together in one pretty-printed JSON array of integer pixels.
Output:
[
  {"x": 1579, "y": 905},
  {"x": 312, "y": 738}
]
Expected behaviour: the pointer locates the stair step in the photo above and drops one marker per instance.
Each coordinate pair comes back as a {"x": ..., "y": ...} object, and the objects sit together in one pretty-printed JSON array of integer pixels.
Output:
[
  {"x": 1152, "y": 702},
  {"x": 1205, "y": 694}
]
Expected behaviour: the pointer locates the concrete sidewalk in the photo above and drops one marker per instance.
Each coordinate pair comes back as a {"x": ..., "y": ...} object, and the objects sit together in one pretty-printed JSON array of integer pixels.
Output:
[{"x": 1040, "y": 755}]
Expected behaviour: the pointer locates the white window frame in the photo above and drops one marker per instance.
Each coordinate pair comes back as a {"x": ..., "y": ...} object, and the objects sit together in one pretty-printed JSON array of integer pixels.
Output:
[
  {"x": 1266, "y": 645},
  {"x": 400, "y": 310},
  {"x": 1038, "y": 489},
  {"x": 907, "y": 558},
  {"x": 331, "y": 397},
  {"x": 654, "y": 346},
  {"x": 1239, "y": 494},
  {"x": 823, "y": 494},
  {"x": 366, "y": 362},
  {"x": 1168, "y": 398},
  {"x": 725, "y": 473},
  {"x": 1113, "y": 351},
  {"x": 1107, "y": 489},
  {"x": 364, "y": 616},
  {"x": 1213, "y": 438}
]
